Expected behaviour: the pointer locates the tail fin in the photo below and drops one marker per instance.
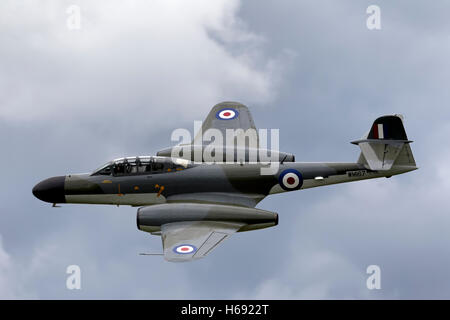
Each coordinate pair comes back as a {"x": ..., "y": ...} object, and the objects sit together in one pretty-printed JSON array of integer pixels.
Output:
[{"x": 386, "y": 145}]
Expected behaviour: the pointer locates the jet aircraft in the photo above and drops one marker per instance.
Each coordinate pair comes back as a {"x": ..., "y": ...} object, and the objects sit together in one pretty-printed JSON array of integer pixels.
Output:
[{"x": 195, "y": 205}]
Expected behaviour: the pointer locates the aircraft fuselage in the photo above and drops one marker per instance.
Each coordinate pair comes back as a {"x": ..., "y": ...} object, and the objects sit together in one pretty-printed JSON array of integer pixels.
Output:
[{"x": 239, "y": 179}]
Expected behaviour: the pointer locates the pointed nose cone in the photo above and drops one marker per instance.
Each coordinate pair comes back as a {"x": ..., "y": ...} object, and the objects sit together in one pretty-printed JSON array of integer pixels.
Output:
[{"x": 51, "y": 190}]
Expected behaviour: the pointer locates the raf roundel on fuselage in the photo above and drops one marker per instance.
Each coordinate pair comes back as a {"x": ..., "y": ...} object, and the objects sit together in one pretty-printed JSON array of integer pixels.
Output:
[{"x": 290, "y": 179}]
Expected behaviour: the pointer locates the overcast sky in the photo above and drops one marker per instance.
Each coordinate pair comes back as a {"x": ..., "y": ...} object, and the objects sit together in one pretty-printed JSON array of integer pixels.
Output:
[{"x": 71, "y": 100}]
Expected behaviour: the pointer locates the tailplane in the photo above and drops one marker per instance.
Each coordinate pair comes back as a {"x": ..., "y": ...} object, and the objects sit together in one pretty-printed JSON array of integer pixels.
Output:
[{"x": 386, "y": 145}]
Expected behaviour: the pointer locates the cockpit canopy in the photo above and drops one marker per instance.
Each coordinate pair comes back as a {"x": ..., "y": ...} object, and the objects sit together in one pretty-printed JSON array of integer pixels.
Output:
[{"x": 141, "y": 165}]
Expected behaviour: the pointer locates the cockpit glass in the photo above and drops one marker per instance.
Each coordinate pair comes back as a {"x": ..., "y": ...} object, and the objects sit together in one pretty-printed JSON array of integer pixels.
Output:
[
  {"x": 104, "y": 169},
  {"x": 141, "y": 165}
]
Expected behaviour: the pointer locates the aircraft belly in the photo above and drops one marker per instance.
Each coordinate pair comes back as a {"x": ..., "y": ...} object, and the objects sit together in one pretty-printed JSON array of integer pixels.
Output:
[{"x": 135, "y": 199}]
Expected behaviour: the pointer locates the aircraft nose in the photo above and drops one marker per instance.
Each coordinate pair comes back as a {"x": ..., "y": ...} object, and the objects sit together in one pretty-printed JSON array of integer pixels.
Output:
[{"x": 51, "y": 190}]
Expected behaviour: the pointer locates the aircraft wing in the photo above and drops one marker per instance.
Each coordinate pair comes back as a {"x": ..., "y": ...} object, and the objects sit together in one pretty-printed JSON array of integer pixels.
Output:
[
  {"x": 190, "y": 240},
  {"x": 227, "y": 115},
  {"x": 213, "y": 134},
  {"x": 190, "y": 231}
]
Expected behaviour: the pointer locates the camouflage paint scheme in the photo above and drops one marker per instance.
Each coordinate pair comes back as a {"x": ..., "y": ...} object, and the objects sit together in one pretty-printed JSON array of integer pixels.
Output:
[{"x": 195, "y": 206}]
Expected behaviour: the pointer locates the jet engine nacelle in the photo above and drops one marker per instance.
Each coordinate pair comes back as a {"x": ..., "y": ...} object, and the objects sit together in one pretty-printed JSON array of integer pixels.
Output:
[
  {"x": 151, "y": 218},
  {"x": 197, "y": 153}
]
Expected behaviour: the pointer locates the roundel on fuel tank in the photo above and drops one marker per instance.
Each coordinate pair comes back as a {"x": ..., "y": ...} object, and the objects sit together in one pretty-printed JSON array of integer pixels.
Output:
[{"x": 290, "y": 179}]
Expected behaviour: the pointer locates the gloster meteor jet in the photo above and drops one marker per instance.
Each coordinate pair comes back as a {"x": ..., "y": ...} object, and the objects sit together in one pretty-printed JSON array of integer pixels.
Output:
[{"x": 195, "y": 205}]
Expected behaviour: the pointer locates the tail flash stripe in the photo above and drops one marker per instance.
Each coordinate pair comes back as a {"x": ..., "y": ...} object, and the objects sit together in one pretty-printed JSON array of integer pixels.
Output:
[
  {"x": 375, "y": 131},
  {"x": 380, "y": 131}
]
